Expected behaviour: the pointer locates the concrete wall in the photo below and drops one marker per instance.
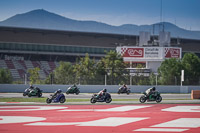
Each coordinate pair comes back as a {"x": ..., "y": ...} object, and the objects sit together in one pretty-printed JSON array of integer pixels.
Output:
[{"x": 19, "y": 88}]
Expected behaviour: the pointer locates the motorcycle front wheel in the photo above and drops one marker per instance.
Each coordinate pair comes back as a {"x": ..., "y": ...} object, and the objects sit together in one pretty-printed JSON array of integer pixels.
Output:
[
  {"x": 128, "y": 92},
  {"x": 158, "y": 99},
  {"x": 77, "y": 92},
  {"x": 48, "y": 100},
  {"x": 143, "y": 99},
  {"x": 92, "y": 100},
  {"x": 62, "y": 100},
  {"x": 108, "y": 100},
  {"x": 39, "y": 94},
  {"x": 119, "y": 92}
]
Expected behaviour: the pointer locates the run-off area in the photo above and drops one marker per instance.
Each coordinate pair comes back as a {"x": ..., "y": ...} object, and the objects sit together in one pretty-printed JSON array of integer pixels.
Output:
[{"x": 101, "y": 118}]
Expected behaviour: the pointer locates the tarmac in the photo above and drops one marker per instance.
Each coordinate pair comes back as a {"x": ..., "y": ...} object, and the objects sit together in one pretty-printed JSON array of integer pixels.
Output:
[{"x": 133, "y": 98}]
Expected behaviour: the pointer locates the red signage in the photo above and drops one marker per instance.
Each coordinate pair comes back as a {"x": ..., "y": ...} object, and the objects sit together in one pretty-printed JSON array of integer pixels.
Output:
[
  {"x": 132, "y": 52},
  {"x": 172, "y": 53}
]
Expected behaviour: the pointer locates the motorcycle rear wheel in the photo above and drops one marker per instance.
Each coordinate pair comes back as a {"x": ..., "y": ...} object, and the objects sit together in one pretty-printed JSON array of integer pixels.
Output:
[{"x": 143, "y": 99}]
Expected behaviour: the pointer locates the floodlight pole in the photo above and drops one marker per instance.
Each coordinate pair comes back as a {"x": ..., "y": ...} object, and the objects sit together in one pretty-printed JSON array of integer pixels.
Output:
[
  {"x": 105, "y": 79},
  {"x": 182, "y": 77}
]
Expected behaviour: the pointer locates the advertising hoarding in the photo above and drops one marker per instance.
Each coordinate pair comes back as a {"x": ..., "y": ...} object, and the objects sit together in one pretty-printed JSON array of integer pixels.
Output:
[{"x": 149, "y": 53}]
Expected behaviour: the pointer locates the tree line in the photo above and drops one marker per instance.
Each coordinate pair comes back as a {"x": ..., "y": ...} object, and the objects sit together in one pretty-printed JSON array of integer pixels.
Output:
[{"x": 112, "y": 70}]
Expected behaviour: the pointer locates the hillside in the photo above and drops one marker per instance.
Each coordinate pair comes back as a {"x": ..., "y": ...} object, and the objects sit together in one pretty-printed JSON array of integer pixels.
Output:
[{"x": 43, "y": 19}]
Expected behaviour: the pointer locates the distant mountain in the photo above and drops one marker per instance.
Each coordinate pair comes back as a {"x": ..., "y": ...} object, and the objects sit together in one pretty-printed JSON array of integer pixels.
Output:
[{"x": 42, "y": 19}]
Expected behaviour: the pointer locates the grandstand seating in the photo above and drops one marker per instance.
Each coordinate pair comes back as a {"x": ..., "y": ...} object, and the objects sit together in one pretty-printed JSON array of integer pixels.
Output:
[
  {"x": 3, "y": 64},
  {"x": 10, "y": 64},
  {"x": 18, "y": 68}
]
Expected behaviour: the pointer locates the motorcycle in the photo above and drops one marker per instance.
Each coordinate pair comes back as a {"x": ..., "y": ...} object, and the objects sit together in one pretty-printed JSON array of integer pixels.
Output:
[
  {"x": 56, "y": 98},
  {"x": 152, "y": 97},
  {"x": 105, "y": 98},
  {"x": 33, "y": 92},
  {"x": 73, "y": 90},
  {"x": 122, "y": 90}
]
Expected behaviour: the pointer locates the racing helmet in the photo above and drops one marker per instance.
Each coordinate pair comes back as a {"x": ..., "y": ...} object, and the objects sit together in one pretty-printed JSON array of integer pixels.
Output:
[
  {"x": 104, "y": 90},
  {"x": 31, "y": 86},
  {"x": 154, "y": 88},
  {"x": 59, "y": 90}
]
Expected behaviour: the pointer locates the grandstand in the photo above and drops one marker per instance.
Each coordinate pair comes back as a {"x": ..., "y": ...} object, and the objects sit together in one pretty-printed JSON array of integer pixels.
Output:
[{"x": 24, "y": 48}]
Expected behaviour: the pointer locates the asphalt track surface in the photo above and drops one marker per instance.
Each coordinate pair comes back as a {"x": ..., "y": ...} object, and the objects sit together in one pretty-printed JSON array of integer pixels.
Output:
[
  {"x": 114, "y": 96},
  {"x": 167, "y": 98},
  {"x": 143, "y": 118}
]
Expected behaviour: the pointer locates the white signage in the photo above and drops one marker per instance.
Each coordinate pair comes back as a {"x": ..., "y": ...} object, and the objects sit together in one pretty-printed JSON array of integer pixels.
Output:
[
  {"x": 148, "y": 53},
  {"x": 153, "y": 52}
]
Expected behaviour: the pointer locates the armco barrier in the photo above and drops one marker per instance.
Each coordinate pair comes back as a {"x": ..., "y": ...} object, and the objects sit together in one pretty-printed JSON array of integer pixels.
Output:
[{"x": 18, "y": 88}]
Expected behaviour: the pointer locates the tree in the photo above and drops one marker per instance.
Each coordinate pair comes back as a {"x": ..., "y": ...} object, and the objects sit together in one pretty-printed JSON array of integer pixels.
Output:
[
  {"x": 152, "y": 79},
  {"x": 34, "y": 75},
  {"x": 114, "y": 65},
  {"x": 64, "y": 73},
  {"x": 191, "y": 66},
  {"x": 5, "y": 76},
  {"x": 85, "y": 69},
  {"x": 140, "y": 79},
  {"x": 100, "y": 72},
  {"x": 169, "y": 71}
]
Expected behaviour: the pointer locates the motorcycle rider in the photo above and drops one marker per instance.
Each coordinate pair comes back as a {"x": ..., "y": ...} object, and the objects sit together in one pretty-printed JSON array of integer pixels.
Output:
[
  {"x": 124, "y": 88},
  {"x": 101, "y": 93},
  {"x": 56, "y": 93},
  {"x": 74, "y": 87},
  {"x": 150, "y": 92},
  {"x": 31, "y": 87}
]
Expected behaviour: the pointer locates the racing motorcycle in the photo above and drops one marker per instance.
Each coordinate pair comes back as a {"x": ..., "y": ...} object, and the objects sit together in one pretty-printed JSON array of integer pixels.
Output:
[
  {"x": 73, "y": 90},
  {"x": 32, "y": 92},
  {"x": 152, "y": 97},
  {"x": 123, "y": 90},
  {"x": 56, "y": 98},
  {"x": 104, "y": 98}
]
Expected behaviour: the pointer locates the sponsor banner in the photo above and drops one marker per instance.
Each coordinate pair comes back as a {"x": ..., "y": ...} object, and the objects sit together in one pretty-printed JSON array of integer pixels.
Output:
[
  {"x": 132, "y": 52},
  {"x": 172, "y": 52},
  {"x": 149, "y": 53}
]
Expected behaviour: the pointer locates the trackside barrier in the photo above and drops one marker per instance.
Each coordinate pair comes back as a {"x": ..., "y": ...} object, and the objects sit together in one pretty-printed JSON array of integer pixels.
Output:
[
  {"x": 195, "y": 94},
  {"x": 19, "y": 88}
]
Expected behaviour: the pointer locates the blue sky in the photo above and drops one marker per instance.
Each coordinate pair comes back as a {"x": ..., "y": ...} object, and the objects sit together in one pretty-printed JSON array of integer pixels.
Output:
[{"x": 184, "y": 13}]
